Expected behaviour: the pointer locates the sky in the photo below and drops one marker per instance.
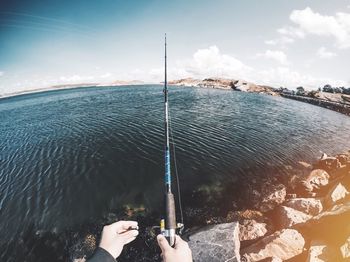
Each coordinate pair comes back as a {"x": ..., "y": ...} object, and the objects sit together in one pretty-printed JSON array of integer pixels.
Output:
[{"x": 273, "y": 42}]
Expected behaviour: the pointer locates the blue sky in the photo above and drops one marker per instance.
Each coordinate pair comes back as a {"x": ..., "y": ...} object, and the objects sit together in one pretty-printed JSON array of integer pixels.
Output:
[{"x": 279, "y": 42}]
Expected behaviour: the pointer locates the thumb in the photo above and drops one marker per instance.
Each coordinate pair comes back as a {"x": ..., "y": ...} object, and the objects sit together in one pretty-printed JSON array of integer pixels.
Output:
[{"x": 163, "y": 243}]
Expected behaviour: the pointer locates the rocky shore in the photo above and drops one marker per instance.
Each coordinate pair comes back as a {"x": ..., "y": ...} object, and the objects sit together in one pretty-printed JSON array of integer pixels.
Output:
[
  {"x": 228, "y": 84},
  {"x": 301, "y": 213},
  {"x": 341, "y": 107},
  {"x": 336, "y": 102},
  {"x": 306, "y": 219}
]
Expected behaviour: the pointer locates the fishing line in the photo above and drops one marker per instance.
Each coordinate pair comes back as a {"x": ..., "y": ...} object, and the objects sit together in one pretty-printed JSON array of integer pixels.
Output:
[{"x": 176, "y": 171}]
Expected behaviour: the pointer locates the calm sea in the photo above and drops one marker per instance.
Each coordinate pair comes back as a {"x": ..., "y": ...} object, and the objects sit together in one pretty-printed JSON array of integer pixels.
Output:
[{"x": 68, "y": 157}]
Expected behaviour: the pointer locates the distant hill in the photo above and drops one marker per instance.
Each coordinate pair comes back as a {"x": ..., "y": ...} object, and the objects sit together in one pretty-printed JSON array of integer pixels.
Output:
[{"x": 223, "y": 83}]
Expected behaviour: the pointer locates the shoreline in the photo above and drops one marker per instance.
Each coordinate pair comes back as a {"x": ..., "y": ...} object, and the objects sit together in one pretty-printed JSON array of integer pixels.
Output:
[
  {"x": 297, "y": 212},
  {"x": 211, "y": 83},
  {"x": 67, "y": 87},
  {"x": 342, "y": 108}
]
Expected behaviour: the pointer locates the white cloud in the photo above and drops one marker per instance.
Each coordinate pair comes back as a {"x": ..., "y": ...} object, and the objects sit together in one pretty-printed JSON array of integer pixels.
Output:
[
  {"x": 276, "y": 55},
  {"x": 211, "y": 62},
  {"x": 106, "y": 75},
  {"x": 323, "y": 53},
  {"x": 284, "y": 76},
  {"x": 207, "y": 62},
  {"x": 75, "y": 79},
  {"x": 1, "y": 73},
  {"x": 310, "y": 22},
  {"x": 282, "y": 41},
  {"x": 291, "y": 32}
]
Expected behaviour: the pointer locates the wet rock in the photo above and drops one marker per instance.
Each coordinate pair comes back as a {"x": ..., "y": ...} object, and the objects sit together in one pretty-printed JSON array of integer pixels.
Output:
[
  {"x": 251, "y": 230},
  {"x": 310, "y": 206},
  {"x": 216, "y": 243},
  {"x": 289, "y": 216},
  {"x": 272, "y": 198},
  {"x": 305, "y": 164},
  {"x": 345, "y": 249},
  {"x": 240, "y": 216},
  {"x": 320, "y": 251},
  {"x": 283, "y": 244},
  {"x": 83, "y": 246},
  {"x": 327, "y": 163},
  {"x": 337, "y": 193},
  {"x": 344, "y": 159},
  {"x": 317, "y": 179}
]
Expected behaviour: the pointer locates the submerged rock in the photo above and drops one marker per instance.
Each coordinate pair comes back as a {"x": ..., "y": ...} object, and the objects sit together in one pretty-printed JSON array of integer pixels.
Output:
[
  {"x": 216, "y": 243},
  {"x": 245, "y": 214},
  {"x": 283, "y": 244},
  {"x": 310, "y": 206},
  {"x": 289, "y": 216},
  {"x": 272, "y": 197}
]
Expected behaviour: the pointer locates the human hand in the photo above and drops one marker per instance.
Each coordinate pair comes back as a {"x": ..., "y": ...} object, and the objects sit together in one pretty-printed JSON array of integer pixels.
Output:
[
  {"x": 180, "y": 252},
  {"x": 118, "y": 234}
]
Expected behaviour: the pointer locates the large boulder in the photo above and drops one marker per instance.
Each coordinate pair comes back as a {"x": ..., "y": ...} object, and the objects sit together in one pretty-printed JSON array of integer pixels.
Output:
[
  {"x": 283, "y": 244},
  {"x": 317, "y": 179},
  {"x": 320, "y": 251},
  {"x": 272, "y": 197},
  {"x": 337, "y": 193},
  {"x": 216, "y": 243},
  {"x": 288, "y": 216},
  {"x": 332, "y": 225},
  {"x": 310, "y": 206},
  {"x": 327, "y": 163},
  {"x": 251, "y": 230}
]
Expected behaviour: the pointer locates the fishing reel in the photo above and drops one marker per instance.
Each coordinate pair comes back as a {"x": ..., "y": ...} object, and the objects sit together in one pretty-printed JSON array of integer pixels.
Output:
[{"x": 169, "y": 234}]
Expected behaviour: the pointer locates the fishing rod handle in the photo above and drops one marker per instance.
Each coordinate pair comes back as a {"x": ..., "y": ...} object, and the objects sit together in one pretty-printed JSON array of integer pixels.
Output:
[{"x": 170, "y": 219}]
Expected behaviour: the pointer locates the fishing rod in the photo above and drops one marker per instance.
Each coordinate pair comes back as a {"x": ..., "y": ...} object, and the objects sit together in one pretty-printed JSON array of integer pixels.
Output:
[{"x": 168, "y": 225}]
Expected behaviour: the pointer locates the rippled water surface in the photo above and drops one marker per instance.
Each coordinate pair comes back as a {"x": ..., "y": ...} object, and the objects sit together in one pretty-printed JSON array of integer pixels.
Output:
[{"x": 68, "y": 156}]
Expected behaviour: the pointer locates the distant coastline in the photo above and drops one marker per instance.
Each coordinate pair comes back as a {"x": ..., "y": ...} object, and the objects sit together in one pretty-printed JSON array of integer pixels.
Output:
[
  {"x": 334, "y": 101},
  {"x": 70, "y": 86}
]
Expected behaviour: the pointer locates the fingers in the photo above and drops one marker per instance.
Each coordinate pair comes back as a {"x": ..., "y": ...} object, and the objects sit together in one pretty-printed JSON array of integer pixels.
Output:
[
  {"x": 129, "y": 236},
  {"x": 122, "y": 226},
  {"x": 163, "y": 243},
  {"x": 179, "y": 242}
]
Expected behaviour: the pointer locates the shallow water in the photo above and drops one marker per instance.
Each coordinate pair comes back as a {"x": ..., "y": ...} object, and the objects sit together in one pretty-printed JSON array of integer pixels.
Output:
[{"x": 69, "y": 156}]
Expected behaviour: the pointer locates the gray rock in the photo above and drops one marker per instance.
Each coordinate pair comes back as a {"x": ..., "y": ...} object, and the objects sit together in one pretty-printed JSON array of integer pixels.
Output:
[
  {"x": 251, "y": 230},
  {"x": 310, "y": 206},
  {"x": 272, "y": 198},
  {"x": 284, "y": 245},
  {"x": 289, "y": 216},
  {"x": 216, "y": 243},
  {"x": 79, "y": 260}
]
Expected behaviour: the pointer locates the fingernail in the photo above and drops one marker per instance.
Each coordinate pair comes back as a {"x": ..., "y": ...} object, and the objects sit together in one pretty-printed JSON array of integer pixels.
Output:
[{"x": 135, "y": 233}]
